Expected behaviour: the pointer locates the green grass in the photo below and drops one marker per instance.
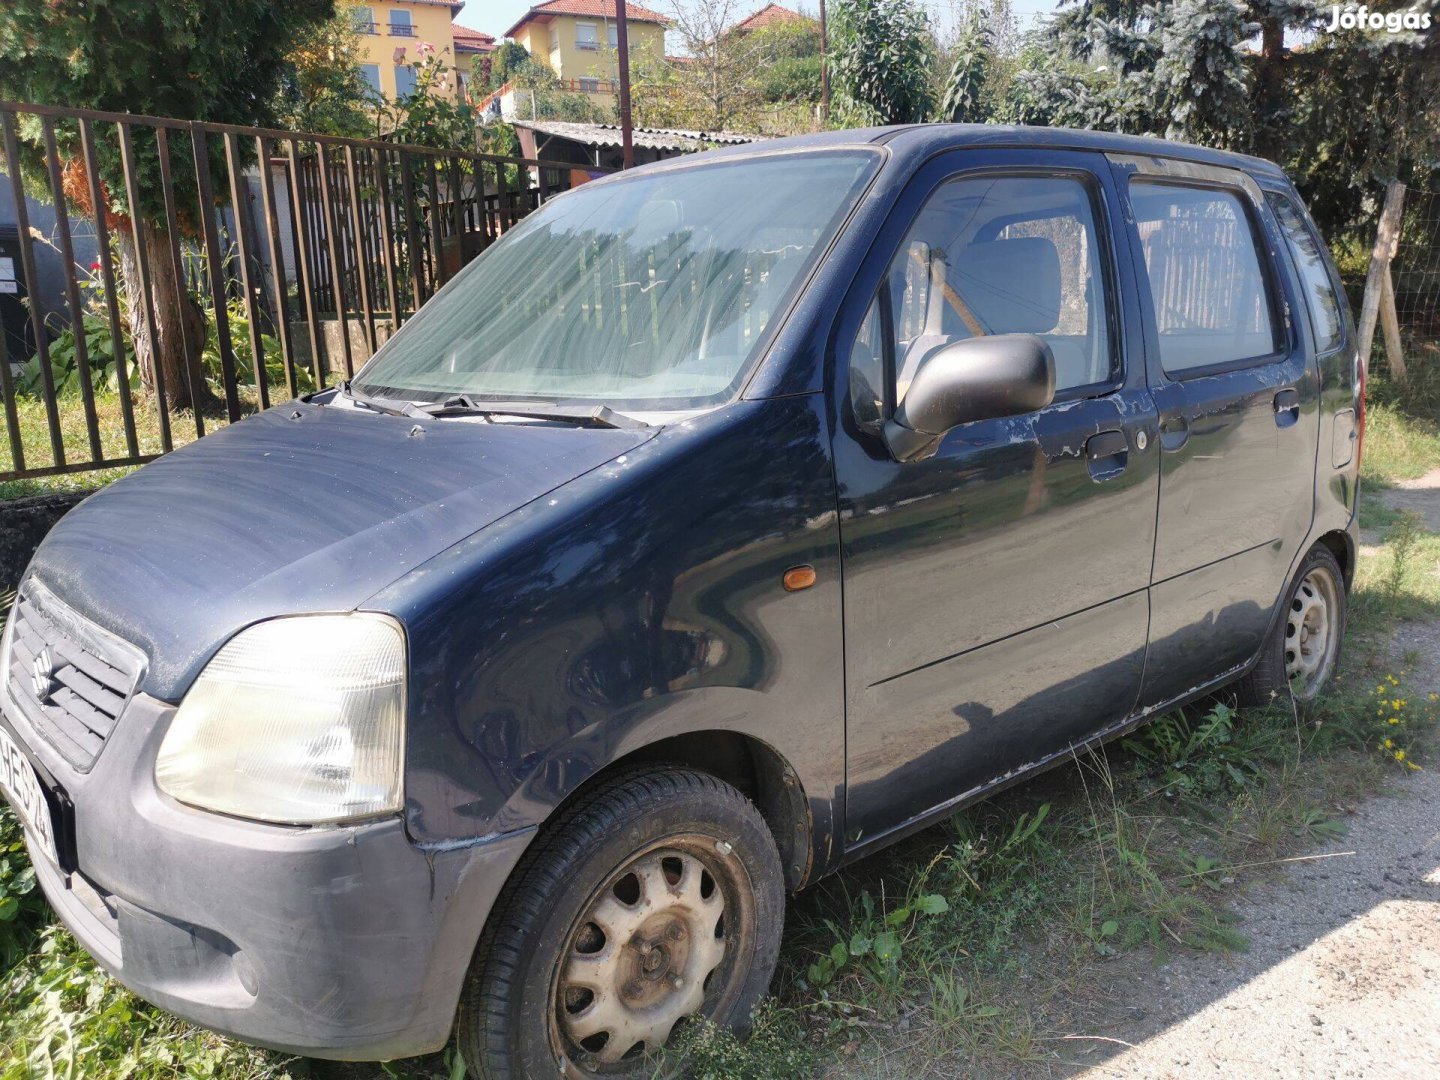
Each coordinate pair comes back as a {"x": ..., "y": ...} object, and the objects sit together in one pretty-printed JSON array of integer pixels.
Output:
[
  {"x": 33, "y": 424},
  {"x": 1398, "y": 445}
]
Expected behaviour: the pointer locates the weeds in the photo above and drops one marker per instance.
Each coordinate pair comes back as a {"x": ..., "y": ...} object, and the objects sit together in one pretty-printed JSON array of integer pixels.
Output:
[{"x": 774, "y": 1050}]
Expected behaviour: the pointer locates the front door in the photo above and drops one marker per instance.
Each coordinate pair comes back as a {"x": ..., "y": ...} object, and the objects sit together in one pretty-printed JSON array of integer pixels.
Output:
[
  {"x": 1239, "y": 418},
  {"x": 995, "y": 593}
]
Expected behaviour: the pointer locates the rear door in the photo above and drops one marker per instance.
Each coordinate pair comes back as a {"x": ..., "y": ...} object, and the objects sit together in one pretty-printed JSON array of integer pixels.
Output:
[
  {"x": 995, "y": 593},
  {"x": 1237, "y": 397}
]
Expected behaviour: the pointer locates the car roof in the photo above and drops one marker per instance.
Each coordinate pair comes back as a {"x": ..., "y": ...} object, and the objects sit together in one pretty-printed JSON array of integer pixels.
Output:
[{"x": 912, "y": 141}]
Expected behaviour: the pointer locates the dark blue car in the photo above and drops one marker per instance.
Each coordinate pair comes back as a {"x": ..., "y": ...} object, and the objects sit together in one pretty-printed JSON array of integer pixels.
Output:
[{"x": 726, "y": 521}]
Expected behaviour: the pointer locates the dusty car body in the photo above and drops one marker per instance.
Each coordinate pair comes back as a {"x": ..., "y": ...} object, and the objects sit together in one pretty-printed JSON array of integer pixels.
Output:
[{"x": 995, "y": 570}]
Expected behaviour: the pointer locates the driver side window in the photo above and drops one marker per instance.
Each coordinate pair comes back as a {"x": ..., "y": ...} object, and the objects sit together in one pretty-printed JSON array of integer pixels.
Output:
[{"x": 992, "y": 255}]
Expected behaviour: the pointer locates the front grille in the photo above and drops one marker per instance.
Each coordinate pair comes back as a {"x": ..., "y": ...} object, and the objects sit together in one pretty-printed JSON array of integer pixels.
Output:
[{"x": 69, "y": 678}]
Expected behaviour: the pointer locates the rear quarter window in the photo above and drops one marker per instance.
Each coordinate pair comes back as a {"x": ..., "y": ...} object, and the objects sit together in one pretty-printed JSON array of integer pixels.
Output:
[{"x": 1326, "y": 320}]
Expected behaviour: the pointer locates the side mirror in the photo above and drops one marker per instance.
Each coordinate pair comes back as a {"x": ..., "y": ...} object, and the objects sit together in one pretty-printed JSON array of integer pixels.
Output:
[{"x": 980, "y": 378}]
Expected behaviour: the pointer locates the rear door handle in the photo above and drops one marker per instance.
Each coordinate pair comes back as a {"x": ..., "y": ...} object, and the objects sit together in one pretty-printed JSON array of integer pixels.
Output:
[
  {"x": 1107, "y": 453},
  {"x": 1174, "y": 432},
  {"x": 1287, "y": 408}
]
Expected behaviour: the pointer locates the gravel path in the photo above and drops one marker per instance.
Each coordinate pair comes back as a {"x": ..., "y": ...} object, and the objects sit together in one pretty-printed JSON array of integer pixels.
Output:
[{"x": 1342, "y": 977}]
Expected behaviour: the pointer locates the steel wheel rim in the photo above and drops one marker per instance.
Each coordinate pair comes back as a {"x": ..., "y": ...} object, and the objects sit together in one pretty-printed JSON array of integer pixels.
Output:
[
  {"x": 1312, "y": 633},
  {"x": 674, "y": 911}
]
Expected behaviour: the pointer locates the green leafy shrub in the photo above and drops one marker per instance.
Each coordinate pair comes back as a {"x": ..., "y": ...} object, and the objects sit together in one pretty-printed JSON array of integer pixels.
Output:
[
  {"x": 1197, "y": 756},
  {"x": 22, "y": 907},
  {"x": 65, "y": 363}
]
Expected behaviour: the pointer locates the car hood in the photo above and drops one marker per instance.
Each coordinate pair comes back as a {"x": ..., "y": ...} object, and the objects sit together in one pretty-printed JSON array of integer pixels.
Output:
[{"x": 302, "y": 508}]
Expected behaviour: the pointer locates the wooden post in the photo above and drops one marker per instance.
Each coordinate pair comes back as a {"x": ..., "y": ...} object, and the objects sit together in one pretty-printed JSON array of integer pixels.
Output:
[
  {"x": 622, "y": 60},
  {"x": 1390, "y": 324},
  {"x": 1377, "y": 281},
  {"x": 824, "y": 68}
]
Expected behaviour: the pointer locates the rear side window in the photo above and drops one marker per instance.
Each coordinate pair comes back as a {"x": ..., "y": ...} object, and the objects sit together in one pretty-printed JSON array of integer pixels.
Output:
[
  {"x": 993, "y": 255},
  {"x": 1320, "y": 298},
  {"x": 1212, "y": 302}
]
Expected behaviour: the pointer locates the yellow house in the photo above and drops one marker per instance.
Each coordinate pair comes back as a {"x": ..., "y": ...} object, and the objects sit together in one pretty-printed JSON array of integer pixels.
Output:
[
  {"x": 473, "y": 54},
  {"x": 396, "y": 33},
  {"x": 576, "y": 39}
]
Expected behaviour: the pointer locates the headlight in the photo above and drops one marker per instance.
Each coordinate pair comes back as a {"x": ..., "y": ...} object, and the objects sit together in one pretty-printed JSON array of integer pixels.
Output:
[{"x": 298, "y": 720}]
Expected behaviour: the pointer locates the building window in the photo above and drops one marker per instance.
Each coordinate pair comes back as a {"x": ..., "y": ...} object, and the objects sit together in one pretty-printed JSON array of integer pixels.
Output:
[
  {"x": 400, "y": 25},
  {"x": 404, "y": 80},
  {"x": 554, "y": 39},
  {"x": 614, "y": 35},
  {"x": 371, "y": 74},
  {"x": 586, "y": 36},
  {"x": 589, "y": 86},
  {"x": 364, "y": 20}
]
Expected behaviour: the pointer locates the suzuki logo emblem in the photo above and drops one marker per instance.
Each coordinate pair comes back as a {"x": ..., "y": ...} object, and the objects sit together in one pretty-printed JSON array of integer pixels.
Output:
[{"x": 42, "y": 675}]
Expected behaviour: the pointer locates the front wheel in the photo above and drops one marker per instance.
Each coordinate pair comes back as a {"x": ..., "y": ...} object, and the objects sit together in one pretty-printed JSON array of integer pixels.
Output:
[
  {"x": 1303, "y": 649},
  {"x": 657, "y": 897}
]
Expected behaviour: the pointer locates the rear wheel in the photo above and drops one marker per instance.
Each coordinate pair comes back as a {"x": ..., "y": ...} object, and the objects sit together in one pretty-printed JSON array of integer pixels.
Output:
[
  {"x": 657, "y": 897},
  {"x": 1303, "y": 649}
]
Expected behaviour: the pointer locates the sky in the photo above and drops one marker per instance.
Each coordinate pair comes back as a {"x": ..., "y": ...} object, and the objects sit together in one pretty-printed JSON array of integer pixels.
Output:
[{"x": 497, "y": 16}]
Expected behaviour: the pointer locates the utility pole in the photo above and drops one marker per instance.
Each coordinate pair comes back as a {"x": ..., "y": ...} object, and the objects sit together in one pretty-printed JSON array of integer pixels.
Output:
[
  {"x": 622, "y": 47},
  {"x": 824, "y": 68}
]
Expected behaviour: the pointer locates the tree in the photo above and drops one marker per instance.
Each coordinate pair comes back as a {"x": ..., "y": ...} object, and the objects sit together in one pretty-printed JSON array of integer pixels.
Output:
[
  {"x": 787, "y": 62},
  {"x": 431, "y": 114},
  {"x": 1343, "y": 112},
  {"x": 881, "y": 52},
  {"x": 963, "y": 101},
  {"x": 322, "y": 88},
  {"x": 711, "y": 86},
  {"x": 189, "y": 59}
]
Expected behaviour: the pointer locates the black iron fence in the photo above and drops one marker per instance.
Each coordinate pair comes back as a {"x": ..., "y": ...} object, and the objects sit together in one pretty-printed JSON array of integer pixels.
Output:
[{"x": 161, "y": 277}]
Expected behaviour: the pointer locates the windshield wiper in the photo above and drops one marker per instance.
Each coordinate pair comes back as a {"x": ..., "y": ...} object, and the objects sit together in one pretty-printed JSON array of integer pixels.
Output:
[
  {"x": 595, "y": 416},
  {"x": 365, "y": 401}
]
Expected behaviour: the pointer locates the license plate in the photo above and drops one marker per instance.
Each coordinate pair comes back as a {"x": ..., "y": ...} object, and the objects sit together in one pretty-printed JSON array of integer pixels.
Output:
[{"x": 20, "y": 784}]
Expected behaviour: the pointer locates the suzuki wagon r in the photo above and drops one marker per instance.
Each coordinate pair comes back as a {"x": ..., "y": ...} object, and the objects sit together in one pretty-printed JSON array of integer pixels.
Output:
[{"x": 724, "y": 521}]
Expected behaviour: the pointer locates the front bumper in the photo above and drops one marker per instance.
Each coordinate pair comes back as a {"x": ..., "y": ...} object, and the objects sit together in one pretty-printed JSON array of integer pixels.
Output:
[{"x": 339, "y": 942}]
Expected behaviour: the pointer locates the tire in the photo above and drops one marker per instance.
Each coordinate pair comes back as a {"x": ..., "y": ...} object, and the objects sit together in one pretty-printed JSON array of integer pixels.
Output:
[
  {"x": 1315, "y": 608},
  {"x": 576, "y": 972}
]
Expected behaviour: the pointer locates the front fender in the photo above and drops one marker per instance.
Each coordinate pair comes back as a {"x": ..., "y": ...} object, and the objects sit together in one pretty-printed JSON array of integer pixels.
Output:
[{"x": 641, "y": 601}]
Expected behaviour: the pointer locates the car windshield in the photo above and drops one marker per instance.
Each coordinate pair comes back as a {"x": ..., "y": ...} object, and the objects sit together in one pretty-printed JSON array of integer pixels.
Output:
[{"x": 654, "y": 292}]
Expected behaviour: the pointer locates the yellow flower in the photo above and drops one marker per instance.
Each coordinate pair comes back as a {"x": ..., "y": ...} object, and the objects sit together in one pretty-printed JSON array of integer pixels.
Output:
[
  {"x": 1380, "y": 689},
  {"x": 1394, "y": 719},
  {"x": 1412, "y": 765},
  {"x": 1399, "y": 755},
  {"x": 1393, "y": 681},
  {"x": 1388, "y": 744}
]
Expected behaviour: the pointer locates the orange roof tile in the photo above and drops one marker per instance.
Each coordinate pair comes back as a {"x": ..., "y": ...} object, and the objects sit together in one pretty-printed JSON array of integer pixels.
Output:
[
  {"x": 770, "y": 15},
  {"x": 467, "y": 40},
  {"x": 593, "y": 8}
]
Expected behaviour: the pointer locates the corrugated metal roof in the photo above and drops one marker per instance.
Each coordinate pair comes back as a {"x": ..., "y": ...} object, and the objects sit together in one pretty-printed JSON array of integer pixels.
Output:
[{"x": 649, "y": 138}]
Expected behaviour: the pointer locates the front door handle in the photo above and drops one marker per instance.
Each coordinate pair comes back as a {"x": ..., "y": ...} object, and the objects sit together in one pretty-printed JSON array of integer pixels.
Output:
[
  {"x": 1107, "y": 453},
  {"x": 1174, "y": 432},
  {"x": 1287, "y": 408}
]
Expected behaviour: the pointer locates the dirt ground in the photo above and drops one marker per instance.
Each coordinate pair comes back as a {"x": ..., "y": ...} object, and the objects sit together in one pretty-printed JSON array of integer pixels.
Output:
[{"x": 1342, "y": 977}]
